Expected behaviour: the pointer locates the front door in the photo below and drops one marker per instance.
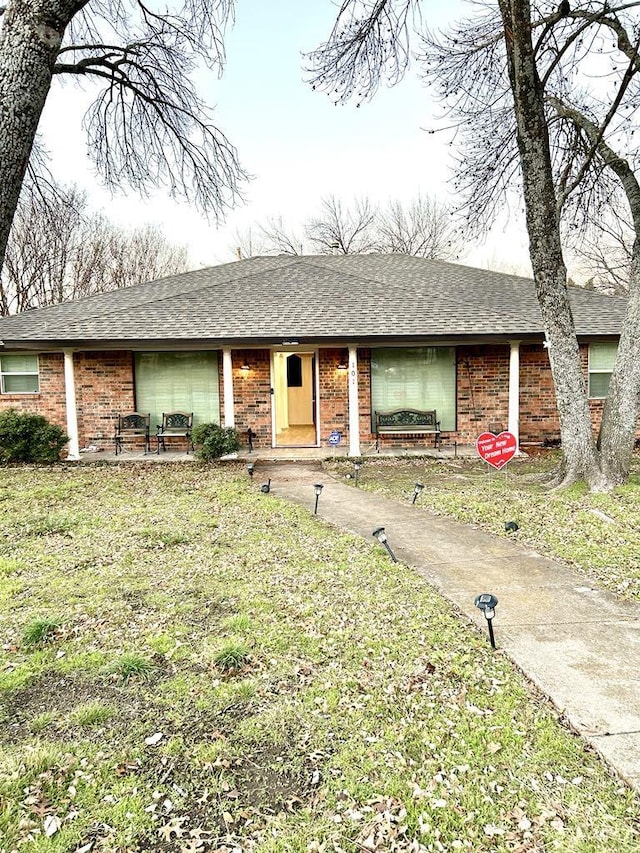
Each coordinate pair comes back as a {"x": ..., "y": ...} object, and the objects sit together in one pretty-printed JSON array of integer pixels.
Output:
[{"x": 294, "y": 399}]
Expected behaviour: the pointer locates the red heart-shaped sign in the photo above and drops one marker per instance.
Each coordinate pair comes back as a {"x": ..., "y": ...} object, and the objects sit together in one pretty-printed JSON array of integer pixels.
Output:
[{"x": 497, "y": 450}]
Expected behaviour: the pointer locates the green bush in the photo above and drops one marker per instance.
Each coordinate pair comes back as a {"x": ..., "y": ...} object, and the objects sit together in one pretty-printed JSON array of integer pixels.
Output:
[
  {"x": 29, "y": 438},
  {"x": 213, "y": 441}
]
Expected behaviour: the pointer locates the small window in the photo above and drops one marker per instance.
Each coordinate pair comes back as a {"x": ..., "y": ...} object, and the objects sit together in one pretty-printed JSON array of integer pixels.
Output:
[
  {"x": 294, "y": 371},
  {"x": 601, "y": 360},
  {"x": 19, "y": 374}
]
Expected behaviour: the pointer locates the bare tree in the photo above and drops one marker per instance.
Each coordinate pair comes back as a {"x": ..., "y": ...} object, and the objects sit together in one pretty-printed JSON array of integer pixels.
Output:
[
  {"x": 148, "y": 126},
  {"x": 341, "y": 229},
  {"x": 248, "y": 243},
  {"x": 604, "y": 250},
  {"x": 424, "y": 228},
  {"x": 141, "y": 254},
  {"x": 498, "y": 74},
  {"x": 271, "y": 237},
  {"x": 59, "y": 250},
  {"x": 281, "y": 238}
]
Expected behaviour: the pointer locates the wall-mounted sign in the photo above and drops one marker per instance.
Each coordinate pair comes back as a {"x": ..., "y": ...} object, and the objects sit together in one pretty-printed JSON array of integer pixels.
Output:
[
  {"x": 496, "y": 450},
  {"x": 335, "y": 438}
]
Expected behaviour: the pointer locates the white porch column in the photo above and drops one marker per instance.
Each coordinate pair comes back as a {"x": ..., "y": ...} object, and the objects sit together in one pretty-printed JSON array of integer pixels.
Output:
[
  {"x": 70, "y": 403},
  {"x": 354, "y": 408},
  {"x": 227, "y": 385},
  {"x": 514, "y": 390}
]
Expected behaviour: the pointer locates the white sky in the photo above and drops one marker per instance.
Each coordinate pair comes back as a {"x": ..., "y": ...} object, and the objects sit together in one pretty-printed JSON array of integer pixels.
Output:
[{"x": 298, "y": 146}]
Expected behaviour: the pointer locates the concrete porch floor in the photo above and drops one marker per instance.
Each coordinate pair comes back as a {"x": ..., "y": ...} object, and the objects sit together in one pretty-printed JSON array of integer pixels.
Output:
[{"x": 275, "y": 454}]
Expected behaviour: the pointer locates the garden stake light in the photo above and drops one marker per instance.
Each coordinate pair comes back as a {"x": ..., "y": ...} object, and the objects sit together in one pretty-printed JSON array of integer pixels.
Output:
[
  {"x": 356, "y": 469},
  {"x": 416, "y": 491},
  {"x": 318, "y": 487},
  {"x": 250, "y": 468},
  {"x": 381, "y": 536},
  {"x": 487, "y": 603}
]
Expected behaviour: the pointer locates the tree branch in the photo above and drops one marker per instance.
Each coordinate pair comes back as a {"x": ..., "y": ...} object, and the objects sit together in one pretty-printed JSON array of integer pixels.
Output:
[
  {"x": 613, "y": 160},
  {"x": 597, "y": 139},
  {"x": 365, "y": 46}
]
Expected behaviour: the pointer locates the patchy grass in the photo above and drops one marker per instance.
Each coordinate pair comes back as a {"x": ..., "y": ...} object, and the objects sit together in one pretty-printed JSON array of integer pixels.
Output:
[
  {"x": 40, "y": 631},
  {"x": 232, "y": 658},
  {"x": 133, "y": 666},
  {"x": 359, "y": 713},
  {"x": 598, "y": 534}
]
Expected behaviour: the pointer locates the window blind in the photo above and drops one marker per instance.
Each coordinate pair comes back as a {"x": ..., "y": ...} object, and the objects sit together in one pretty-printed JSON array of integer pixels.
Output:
[
  {"x": 415, "y": 378},
  {"x": 178, "y": 381}
]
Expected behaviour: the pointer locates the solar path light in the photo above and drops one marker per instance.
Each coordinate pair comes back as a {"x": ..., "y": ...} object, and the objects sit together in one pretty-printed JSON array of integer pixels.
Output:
[
  {"x": 250, "y": 468},
  {"x": 356, "y": 470},
  {"x": 416, "y": 491},
  {"x": 487, "y": 603},
  {"x": 381, "y": 536},
  {"x": 318, "y": 487}
]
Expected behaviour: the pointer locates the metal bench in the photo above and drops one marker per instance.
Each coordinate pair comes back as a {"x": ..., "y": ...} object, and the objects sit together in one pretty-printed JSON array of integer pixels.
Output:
[
  {"x": 175, "y": 425},
  {"x": 135, "y": 425},
  {"x": 407, "y": 422}
]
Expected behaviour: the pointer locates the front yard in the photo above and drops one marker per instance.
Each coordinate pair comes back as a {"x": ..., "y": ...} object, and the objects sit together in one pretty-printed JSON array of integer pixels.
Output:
[
  {"x": 598, "y": 534},
  {"x": 190, "y": 665}
]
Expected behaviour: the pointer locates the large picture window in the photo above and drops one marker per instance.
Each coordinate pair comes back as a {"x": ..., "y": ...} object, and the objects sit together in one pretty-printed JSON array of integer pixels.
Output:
[
  {"x": 178, "y": 381},
  {"x": 19, "y": 374},
  {"x": 601, "y": 360},
  {"x": 415, "y": 378}
]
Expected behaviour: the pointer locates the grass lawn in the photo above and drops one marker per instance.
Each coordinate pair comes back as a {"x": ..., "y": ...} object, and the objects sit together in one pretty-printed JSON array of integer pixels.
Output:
[
  {"x": 598, "y": 534},
  {"x": 189, "y": 665}
]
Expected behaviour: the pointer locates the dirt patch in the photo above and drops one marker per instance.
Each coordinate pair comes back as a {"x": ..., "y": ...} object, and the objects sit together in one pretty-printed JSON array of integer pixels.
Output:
[{"x": 60, "y": 695}]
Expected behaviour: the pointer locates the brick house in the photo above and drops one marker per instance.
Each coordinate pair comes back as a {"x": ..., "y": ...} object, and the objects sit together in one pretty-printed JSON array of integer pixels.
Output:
[{"x": 296, "y": 347}]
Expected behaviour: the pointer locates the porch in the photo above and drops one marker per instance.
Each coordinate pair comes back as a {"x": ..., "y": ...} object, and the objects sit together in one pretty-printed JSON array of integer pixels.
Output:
[{"x": 279, "y": 454}]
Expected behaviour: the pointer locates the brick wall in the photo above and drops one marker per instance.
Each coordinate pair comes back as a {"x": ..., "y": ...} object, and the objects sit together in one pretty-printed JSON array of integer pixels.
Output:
[
  {"x": 105, "y": 386},
  {"x": 50, "y": 400},
  {"x": 538, "y": 414},
  {"x": 334, "y": 394},
  {"x": 482, "y": 383},
  {"x": 364, "y": 398},
  {"x": 252, "y": 394}
]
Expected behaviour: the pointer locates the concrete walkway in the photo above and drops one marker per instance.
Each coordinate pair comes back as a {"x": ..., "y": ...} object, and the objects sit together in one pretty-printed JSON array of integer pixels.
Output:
[{"x": 579, "y": 645}]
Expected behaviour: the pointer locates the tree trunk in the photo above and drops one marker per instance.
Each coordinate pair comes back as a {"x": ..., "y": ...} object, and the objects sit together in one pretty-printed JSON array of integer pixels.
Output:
[
  {"x": 620, "y": 415},
  {"x": 581, "y": 458},
  {"x": 30, "y": 38}
]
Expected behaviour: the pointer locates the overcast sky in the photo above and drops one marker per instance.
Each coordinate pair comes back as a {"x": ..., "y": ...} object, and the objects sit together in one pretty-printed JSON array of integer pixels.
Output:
[{"x": 298, "y": 146}]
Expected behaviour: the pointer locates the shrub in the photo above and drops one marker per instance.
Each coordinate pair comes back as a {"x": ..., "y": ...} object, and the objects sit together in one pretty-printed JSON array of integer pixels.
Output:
[
  {"x": 213, "y": 441},
  {"x": 29, "y": 438}
]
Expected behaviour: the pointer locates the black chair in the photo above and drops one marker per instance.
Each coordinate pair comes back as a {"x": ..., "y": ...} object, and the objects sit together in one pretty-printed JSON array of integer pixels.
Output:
[
  {"x": 134, "y": 425},
  {"x": 175, "y": 425}
]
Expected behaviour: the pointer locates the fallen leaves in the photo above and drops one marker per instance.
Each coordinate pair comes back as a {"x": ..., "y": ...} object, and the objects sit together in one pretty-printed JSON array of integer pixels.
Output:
[
  {"x": 375, "y": 723},
  {"x": 154, "y": 740}
]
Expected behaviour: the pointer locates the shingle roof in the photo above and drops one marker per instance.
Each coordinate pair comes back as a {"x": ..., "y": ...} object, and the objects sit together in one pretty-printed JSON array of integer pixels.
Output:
[{"x": 312, "y": 298}]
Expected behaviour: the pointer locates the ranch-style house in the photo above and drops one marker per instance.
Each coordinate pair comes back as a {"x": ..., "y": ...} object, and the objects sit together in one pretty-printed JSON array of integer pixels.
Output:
[{"x": 303, "y": 349}]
